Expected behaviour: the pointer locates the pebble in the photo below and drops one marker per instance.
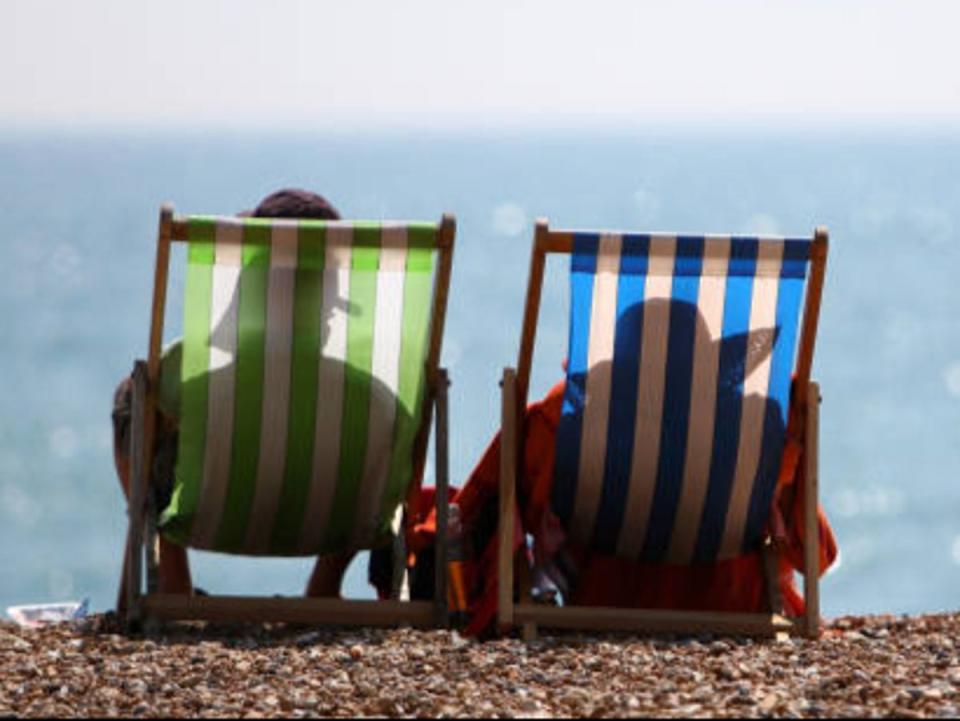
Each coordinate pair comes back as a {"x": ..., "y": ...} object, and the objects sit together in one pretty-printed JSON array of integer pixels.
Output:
[{"x": 869, "y": 666}]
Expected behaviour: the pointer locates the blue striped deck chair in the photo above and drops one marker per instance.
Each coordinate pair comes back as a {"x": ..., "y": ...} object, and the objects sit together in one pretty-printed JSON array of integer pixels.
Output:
[
  {"x": 309, "y": 374},
  {"x": 682, "y": 350}
]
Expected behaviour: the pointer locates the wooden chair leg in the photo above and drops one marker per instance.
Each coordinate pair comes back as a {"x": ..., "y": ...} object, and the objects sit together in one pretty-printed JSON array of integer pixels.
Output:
[
  {"x": 122, "y": 587},
  {"x": 139, "y": 464},
  {"x": 771, "y": 574},
  {"x": 441, "y": 559},
  {"x": 524, "y": 576},
  {"x": 152, "y": 544},
  {"x": 811, "y": 537},
  {"x": 525, "y": 582},
  {"x": 507, "y": 494},
  {"x": 150, "y": 625}
]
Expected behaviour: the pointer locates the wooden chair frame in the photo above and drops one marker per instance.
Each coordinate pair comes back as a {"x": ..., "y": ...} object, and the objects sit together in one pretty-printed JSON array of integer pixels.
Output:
[
  {"x": 515, "y": 385},
  {"x": 138, "y": 608}
]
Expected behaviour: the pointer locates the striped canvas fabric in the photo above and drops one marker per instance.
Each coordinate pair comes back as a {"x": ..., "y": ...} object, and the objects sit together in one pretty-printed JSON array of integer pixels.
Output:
[
  {"x": 680, "y": 356},
  {"x": 302, "y": 377}
]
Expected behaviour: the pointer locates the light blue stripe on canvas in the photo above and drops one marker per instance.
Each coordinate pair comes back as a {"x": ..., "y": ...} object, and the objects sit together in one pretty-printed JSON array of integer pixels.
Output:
[
  {"x": 789, "y": 297},
  {"x": 583, "y": 265}
]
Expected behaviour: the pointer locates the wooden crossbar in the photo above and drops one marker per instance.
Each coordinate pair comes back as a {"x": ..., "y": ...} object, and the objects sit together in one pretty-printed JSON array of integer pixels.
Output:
[
  {"x": 236, "y": 609},
  {"x": 603, "y": 618}
]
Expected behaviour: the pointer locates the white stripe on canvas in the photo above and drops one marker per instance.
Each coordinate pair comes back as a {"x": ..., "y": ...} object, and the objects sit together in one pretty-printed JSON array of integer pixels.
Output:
[
  {"x": 650, "y": 392},
  {"x": 334, "y": 314},
  {"x": 703, "y": 400},
  {"x": 770, "y": 262},
  {"x": 764, "y": 266},
  {"x": 385, "y": 369},
  {"x": 756, "y": 388},
  {"x": 278, "y": 344},
  {"x": 596, "y": 411},
  {"x": 224, "y": 309}
]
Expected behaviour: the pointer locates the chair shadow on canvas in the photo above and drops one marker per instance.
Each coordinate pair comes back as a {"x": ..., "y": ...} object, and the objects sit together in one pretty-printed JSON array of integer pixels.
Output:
[
  {"x": 320, "y": 490},
  {"x": 698, "y": 412}
]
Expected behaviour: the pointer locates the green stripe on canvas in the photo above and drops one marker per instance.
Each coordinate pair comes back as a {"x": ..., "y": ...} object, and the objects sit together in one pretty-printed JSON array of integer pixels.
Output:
[
  {"x": 422, "y": 235},
  {"x": 356, "y": 400},
  {"x": 177, "y": 518},
  {"x": 413, "y": 355},
  {"x": 248, "y": 394},
  {"x": 307, "y": 324}
]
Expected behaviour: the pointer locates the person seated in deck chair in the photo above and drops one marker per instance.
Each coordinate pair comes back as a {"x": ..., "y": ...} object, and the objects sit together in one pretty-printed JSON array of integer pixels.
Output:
[
  {"x": 174, "y": 571},
  {"x": 590, "y": 578}
]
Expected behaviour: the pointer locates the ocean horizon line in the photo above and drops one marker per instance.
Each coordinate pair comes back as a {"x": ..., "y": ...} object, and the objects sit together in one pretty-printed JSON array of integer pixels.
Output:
[{"x": 814, "y": 128}]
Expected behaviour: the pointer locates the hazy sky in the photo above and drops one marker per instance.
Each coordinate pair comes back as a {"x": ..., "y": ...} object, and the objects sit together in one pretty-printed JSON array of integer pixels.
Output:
[{"x": 227, "y": 63}]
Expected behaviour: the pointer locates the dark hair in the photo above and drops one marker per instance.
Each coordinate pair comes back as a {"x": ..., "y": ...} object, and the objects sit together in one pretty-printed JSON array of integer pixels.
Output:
[{"x": 294, "y": 203}]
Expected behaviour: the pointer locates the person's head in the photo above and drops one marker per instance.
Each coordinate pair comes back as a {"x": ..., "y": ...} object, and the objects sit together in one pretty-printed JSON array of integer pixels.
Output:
[{"x": 294, "y": 203}]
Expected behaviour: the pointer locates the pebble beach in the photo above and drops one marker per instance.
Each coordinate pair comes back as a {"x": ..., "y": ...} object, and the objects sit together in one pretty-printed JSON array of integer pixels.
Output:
[{"x": 869, "y": 666}]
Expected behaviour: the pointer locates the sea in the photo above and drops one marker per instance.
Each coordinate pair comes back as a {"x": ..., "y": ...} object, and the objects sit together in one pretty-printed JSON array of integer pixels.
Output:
[{"x": 78, "y": 220}]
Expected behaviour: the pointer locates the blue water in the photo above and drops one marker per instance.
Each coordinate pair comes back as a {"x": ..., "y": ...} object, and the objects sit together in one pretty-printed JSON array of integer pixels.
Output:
[{"x": 77, "y": 236}]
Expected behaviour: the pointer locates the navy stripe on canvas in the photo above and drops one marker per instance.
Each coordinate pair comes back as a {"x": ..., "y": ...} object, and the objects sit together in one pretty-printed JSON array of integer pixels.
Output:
[
  {"x": 796, "y": 255},
  {"x": 583, "y": 266}
]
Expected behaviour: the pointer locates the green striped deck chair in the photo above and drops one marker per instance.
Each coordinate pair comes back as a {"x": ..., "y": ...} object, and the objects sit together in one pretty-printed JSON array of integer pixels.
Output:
[
  {"x": 308, "y": 375},
  {"x": 675, "y": 410}
]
